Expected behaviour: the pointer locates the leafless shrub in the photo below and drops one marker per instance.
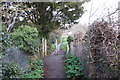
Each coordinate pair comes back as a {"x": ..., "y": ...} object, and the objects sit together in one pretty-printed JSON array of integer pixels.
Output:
[{"x": 104, "y": 46}]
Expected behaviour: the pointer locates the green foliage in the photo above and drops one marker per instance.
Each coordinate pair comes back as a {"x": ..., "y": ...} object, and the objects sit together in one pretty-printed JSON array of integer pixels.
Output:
[
  {"x": 8, "y": 15},
  {"x": 26, "y": 38},
  {"x": 64, "y": 44},
  {"x": 63, "y": 47},
  {"x": 53, "y": 37},
  {"x": 47, "y": 21},
  {"x": 52, "y": 40},
  {"x": 40, "y": 47},
  {"x": 64, "y": 39},
  {"x": 5, "y": 39},
  {"x": 73, "y": 67},
  {"x": 69, "y": 39},
  {"x": 35, "y": 70},
  {"x": 35, "y": 74},
  {"x": 11, "y": 71},
  {"x": 47, "y": 16},
  {"x": 52, "y": 48}
]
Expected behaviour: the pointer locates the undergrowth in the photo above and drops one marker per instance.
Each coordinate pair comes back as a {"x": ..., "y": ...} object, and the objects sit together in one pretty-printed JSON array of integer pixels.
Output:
[
  {"x": 73, "y": 67},
  {"x": 35, "y": 69},
  {"x": 64, "y": 44}
]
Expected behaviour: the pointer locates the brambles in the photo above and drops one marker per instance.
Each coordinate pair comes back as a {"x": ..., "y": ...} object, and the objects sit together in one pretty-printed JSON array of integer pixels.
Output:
[
  {"x": 73, "y": 67},
  {"x": 102, "y": 39}
]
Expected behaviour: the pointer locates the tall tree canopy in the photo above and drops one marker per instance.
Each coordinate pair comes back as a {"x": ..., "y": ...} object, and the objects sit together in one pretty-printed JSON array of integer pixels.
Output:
[
  {"x": 47, "y": 16},
  {"x": 10, "y": 12},
  {"x": 51, "y": 15}
]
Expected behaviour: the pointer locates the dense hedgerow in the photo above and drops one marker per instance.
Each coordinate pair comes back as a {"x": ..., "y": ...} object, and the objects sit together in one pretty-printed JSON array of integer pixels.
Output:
[
  {"x": 26, "y": 38},
  {"x": 104, "y": 47}
]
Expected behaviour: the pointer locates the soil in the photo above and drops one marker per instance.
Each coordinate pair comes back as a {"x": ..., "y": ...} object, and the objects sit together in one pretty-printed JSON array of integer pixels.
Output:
[{"x": 54, "y": 65}]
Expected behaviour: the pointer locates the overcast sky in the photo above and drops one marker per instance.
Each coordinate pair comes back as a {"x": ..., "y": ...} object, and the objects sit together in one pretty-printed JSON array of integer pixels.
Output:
[{"x": 100, "y": 7}]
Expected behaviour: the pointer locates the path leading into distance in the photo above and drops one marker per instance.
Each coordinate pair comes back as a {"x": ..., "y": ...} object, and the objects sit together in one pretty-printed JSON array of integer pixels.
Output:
[{"x": 54, "y": 65}]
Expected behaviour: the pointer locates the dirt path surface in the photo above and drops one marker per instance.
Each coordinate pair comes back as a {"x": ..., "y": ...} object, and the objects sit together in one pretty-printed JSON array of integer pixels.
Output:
[{"x": 54, "y": 65}]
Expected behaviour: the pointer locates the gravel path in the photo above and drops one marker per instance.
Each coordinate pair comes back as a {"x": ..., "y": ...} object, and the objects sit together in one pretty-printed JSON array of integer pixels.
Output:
[{"x": 54, "y": 65}]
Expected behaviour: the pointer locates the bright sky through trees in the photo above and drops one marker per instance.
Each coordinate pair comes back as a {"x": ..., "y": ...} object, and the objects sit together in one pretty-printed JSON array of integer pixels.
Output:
[{"x": 99, "y": 8}]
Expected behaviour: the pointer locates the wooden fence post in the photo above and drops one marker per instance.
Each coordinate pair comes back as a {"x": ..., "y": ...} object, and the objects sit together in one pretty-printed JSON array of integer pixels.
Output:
[
  {"x": 67, "y": 48},
  {"x": 45, "y": 47},
  {"x": 43, "y": 50},
  {"x": 38, "y": 52}
]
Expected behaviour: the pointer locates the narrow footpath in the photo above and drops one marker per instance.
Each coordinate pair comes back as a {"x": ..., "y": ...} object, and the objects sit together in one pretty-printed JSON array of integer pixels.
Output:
[{"x": 54, "y": 65}]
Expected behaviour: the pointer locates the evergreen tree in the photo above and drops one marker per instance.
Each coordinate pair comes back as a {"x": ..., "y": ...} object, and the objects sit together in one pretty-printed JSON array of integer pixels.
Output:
[{"x": 51, "y": 15}]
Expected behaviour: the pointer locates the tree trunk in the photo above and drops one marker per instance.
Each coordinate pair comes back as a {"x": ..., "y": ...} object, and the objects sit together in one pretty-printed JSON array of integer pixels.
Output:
[{"x": 69, "y": 46}]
